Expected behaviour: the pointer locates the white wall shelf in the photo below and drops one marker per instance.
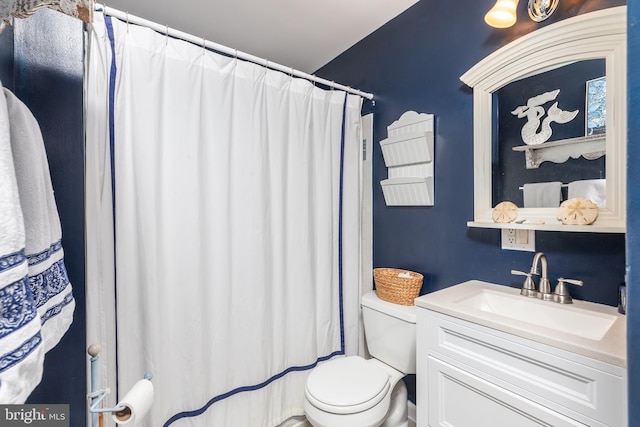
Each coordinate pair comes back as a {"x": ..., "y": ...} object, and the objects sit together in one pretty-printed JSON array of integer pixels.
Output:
[
  {"x": 408, "y": 155},
  {"x": 406, "y": 149},
  {"x": 589, "y": 147},
  {"x": 412, "y": 191}
]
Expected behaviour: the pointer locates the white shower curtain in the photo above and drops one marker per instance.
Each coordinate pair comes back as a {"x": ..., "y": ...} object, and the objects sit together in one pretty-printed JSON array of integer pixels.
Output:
[{"x": 237, "y": 227}]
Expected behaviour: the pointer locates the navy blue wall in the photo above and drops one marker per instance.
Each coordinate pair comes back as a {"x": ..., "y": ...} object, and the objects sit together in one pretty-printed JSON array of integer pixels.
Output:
[
  {"x": 633, "y": 206},
  {"x": 42, "y": 63},
  {"x": 414, "y": 62}
]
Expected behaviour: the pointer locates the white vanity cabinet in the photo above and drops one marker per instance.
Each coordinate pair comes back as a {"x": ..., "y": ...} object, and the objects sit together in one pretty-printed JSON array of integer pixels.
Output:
[{"x": 469, "y": 375}]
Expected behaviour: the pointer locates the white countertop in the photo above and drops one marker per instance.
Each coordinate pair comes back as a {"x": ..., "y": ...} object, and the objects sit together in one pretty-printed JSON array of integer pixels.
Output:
[{"x": 610, "y": 349}]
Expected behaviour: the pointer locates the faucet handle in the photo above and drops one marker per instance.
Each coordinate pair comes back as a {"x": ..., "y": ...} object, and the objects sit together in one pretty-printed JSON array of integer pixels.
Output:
[
  {"x": 520, "y": 273},
  {"x": 572, "y": 281},
  {"x": 529, "y": 286},
  {"x": 561, "y": 294}
]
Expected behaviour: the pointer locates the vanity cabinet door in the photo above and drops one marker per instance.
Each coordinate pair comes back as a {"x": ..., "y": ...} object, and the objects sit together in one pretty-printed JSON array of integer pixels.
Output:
[
  {"x": 581, "y": 388},
  {"x": 457, "y": 398},
  {"x": 472, "y": 375}
]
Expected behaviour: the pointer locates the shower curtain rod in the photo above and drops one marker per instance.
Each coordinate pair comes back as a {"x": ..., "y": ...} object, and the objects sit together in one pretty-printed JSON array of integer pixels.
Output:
[{"x": 164, "y": 29}]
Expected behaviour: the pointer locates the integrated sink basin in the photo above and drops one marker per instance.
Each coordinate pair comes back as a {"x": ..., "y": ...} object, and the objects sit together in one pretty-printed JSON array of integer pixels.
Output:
[
  {"x": 596, "y": 331},
  {"x": 563, "y": 318}
]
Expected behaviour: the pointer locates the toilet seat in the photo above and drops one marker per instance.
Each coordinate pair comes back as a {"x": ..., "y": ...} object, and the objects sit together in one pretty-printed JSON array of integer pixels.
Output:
[{"x": 347, "y": 385}]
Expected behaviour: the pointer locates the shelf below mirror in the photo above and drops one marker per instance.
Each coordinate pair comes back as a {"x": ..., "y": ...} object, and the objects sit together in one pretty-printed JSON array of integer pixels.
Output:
[{"x": 557, "y": 226}]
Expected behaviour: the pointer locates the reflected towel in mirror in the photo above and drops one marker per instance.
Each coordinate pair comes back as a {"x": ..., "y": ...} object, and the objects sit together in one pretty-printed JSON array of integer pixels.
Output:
[
  {"x": 592, "y": 189},
  {"x": 542, "y": 194}
]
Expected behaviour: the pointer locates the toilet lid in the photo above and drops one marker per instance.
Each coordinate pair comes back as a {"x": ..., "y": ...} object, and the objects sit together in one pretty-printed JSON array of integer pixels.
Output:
[{"x": 347, "y": 385}]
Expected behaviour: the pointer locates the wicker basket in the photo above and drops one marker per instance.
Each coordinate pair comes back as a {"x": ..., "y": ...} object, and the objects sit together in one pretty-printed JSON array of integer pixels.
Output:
[{"x": 397, "y": 289}]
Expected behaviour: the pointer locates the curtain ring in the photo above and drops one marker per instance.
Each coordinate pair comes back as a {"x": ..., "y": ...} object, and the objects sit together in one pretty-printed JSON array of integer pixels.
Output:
[
  {"x": 204, "y": 46},
  {"x": 166, "y": 40},
  {"x": 235, "y": 58},
  {"x": 127, "y": 12}
]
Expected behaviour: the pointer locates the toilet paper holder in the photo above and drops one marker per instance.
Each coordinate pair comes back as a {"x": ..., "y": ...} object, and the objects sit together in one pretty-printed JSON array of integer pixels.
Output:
[{"x": 97, "y": 394}]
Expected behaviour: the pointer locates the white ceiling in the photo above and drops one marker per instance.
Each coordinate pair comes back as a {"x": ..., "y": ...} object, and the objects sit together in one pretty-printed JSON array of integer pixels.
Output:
[{"x": 303, "y": 34}]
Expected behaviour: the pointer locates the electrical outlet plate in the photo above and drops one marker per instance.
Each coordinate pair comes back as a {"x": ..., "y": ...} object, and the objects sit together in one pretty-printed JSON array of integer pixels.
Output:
[{"x": 518, "y": 239}]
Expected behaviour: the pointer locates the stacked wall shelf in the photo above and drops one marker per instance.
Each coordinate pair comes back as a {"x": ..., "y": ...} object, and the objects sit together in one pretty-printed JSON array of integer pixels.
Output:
[{"x": 408, "y": 155}]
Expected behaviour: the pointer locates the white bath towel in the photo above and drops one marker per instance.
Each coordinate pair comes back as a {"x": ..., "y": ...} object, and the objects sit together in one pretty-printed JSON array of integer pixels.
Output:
[
  {"x": 542, "y": 195},
  {"x": 48, "y": 278},
  {"x": 593, "y": 189},
  {"x": 21, "y": 344}
]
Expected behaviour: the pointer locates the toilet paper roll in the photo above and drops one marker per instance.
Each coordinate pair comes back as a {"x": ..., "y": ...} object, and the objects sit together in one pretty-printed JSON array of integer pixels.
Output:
[{"x": 137, "y": 403}]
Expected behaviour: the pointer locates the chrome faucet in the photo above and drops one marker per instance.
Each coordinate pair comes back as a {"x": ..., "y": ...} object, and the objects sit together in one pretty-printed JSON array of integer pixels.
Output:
[
  {"x": 529, "y": 286},
  {"x": 560, "y": 295},
  {"x": 545, "y": 286}
]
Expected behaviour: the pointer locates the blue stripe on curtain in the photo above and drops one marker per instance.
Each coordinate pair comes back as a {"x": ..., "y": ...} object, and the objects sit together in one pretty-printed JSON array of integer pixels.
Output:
[
  {"x": 195, "y": 413},
  {"x": 238, "y": 390},
  {"x": 112, "y": 89},
  {"x": 344, "y": 115},
  {"x": 113, "y": 71}
]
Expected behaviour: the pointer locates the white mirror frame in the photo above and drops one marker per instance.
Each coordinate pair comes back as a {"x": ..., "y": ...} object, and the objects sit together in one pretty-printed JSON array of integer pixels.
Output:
[{"x": 594, "y": 35}]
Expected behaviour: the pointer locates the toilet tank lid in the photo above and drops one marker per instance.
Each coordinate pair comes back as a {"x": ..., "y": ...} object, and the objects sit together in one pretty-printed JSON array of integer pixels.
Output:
[{"x": 403, "y": 312}]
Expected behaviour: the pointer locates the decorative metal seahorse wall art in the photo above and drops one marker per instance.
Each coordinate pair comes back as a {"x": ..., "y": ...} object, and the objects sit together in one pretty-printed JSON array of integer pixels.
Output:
[{"x": 534, "y": 111}]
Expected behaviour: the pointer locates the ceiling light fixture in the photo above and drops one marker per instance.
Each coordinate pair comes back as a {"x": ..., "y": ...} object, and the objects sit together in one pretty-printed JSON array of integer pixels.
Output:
[
  {"x": 539, "y": 10},
  {"x": 503, "y": 13}
]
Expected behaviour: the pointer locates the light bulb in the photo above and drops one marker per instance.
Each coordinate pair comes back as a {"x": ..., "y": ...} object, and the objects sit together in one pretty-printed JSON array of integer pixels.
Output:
[{"x": 502, "y": 14}]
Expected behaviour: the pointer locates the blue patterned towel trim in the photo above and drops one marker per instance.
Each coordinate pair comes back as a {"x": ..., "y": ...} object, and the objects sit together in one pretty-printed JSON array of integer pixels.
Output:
[
  {"x": 16, "y": 356},
  {"x": 7, "y": 262},
  {"x": 56, "y": 309},
  {"x": 49, "y": 283},
  {"x": 46, "y": 254},
  {"x": 16, "y": 307}
]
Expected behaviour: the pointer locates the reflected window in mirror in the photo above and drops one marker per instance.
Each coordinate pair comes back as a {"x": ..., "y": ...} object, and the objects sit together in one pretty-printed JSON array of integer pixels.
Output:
[{"x": 543, "y": 109}]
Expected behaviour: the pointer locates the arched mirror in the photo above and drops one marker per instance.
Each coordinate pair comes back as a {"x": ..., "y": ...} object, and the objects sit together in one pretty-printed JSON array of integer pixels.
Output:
[{"x": 550, "y": 107}]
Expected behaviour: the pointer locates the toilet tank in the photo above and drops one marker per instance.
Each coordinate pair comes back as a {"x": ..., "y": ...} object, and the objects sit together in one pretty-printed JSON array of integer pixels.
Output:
[{"x": 390, "y": 331}]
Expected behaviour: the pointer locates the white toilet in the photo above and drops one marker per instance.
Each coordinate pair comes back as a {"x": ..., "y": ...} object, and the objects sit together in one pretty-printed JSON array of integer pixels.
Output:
[{"x": 354, "y": 392}]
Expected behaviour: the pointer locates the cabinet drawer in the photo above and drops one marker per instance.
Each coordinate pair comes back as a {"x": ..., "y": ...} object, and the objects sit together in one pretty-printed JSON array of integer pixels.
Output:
[
  {"x": 582, "y": 388},
  {"x": 485, "y": 404}
]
